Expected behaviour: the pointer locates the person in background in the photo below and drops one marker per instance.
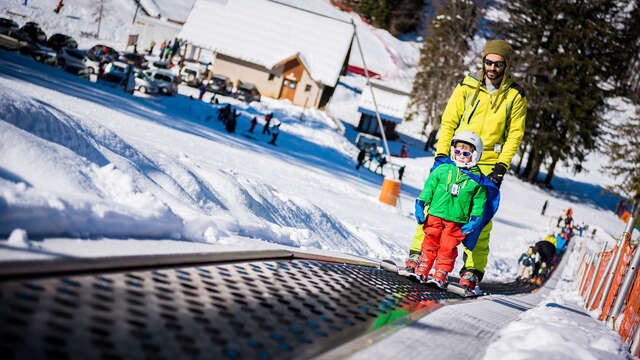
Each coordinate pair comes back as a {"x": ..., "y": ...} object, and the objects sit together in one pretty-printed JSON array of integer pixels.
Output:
[
  {"x": 401, "y": 172},
  {"x": 151, "y": 46},
  {"x": 203, "y": 90},
  {"x": 267, "y": 120},
  {"x": 381, "y": 163},
  {"x": 275, "y": 131},
  {"x": 254, "y": 122},
  {"x": 527, "y": 263},
  {"x": 405, "y": 151},
  {"x": 361, "y": 155}
]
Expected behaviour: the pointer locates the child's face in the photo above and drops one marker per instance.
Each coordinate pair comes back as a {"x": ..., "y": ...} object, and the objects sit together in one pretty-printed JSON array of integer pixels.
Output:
[{"x": 462, "y": 148}]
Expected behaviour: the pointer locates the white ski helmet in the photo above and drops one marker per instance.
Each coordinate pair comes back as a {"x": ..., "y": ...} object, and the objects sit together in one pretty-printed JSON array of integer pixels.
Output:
[{"x": 471, "y": 138}]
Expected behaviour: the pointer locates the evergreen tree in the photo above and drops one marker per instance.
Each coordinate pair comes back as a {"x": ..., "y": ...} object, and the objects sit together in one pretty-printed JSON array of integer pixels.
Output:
[
  {"x": 623, "y": 150},
  {"x": 567, "y": 52},
  {"x": 442, "y": 59}
]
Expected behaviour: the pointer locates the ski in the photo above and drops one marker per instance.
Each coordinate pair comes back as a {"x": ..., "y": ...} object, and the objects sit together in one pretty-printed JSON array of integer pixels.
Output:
[{"x": 452, "y": 287}]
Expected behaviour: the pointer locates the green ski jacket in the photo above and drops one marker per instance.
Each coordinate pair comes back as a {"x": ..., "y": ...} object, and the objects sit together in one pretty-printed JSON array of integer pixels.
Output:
[{"x": 442, "y": 203}]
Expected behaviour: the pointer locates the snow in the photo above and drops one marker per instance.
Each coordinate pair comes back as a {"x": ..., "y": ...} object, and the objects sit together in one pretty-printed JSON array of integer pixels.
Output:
[
  {"x": 559, "y": 327},
  {"x": 86, "y": 170}
]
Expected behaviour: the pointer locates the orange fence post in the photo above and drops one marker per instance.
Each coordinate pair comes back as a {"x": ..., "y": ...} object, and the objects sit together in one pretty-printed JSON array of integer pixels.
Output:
[
  {"x": 619, "y": 273},
  {"x": 606, "y": 256},
  {"x": 631, "y": 313}
]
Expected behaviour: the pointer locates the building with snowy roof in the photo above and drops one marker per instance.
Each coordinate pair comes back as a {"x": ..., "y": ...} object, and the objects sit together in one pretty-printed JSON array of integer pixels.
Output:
[
  {"x": 287, "y": 52},
  {"x": 392, "y": 105}
]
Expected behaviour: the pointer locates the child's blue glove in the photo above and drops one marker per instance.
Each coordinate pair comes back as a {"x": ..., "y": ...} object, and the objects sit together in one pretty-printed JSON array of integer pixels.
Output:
[
  {"x": 469, "y": 227},
  {"x": 420, "y": 211}
]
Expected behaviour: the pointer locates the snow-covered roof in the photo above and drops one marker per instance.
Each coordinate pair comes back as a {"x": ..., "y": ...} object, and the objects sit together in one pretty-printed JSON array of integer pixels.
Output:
[
  {"x": 265, "y": 32},
  {"x": 392, "y": 103}
]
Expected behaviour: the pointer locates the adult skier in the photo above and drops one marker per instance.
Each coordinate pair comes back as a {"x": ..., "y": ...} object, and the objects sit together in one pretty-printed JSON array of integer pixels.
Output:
[{"x": 491, "y": 104}]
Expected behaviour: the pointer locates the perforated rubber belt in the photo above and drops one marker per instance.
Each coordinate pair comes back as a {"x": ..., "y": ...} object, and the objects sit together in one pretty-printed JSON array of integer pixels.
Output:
[{"x": 266, "y": 309}]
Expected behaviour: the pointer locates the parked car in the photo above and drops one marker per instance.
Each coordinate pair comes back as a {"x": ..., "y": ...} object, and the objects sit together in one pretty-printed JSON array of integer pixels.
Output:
[
  {"x": 58, "y": 41},
  {"x": 115, "y": 75},
  {"x": 40, "y": 53},
  {"x": 167, "y": 82},
  {"x": 100, "y": 51},
  {"x": 247, "y": 92},
  {"x": 34, "y": 33},
  {"x": 7, "y": 26},
  {"x": 145, "y": 84},
  {"x": 71, "y": 60},
  {"x": 220, "y": 84},
  {"x": 191, "y": 75},
  {"x": 134, "y": 59},
  {"x": 12, "y": 43},
  {"x": 161, "y": 64}
]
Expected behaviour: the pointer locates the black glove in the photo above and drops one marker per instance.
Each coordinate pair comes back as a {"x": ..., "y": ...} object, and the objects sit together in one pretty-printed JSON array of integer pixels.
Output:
[{"x": 497, "y": 174}]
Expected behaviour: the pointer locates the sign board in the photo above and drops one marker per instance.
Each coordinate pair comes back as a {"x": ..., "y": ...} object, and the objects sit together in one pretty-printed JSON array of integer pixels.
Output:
[{"x": 133, "y": 40}]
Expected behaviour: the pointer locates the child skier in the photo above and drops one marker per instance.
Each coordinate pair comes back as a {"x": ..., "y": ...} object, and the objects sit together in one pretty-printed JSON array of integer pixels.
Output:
[
  {"x": 527, "y": 263},
  {"x": 455, "y": 205}
]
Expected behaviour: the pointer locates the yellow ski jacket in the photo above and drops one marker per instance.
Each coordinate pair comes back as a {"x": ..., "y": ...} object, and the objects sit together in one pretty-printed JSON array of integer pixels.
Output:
[{"x": 501, "y": 128}]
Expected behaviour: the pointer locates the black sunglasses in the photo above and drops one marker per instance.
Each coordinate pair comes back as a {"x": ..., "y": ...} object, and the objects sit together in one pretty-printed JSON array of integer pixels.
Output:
[{"x": 496, "y": 63}]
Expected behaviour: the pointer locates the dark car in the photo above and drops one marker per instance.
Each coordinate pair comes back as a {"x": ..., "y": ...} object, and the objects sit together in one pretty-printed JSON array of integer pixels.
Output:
[
  {"x": 247, "y": 92},
  {"x": 58, "y": 41},
  {"x": 134, "y": 59},
  {"x": 7, "y": 26},
  {"x": 98, "y": 52},
  {"x": 39, "y": 53},
  {"x": 34, "y": 33},
  {"x": 219, "y": 85}
]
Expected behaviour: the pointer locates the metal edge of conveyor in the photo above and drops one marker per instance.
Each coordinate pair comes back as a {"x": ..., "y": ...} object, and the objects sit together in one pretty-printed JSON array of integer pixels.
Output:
[
  {"x": 61, "y": 266},
  {"x": 353, "y": 346}
]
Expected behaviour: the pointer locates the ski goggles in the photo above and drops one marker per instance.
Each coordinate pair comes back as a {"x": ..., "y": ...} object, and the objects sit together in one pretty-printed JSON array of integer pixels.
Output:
[
  {"x": 461, "y": 152},
  {"x": 499, "y": 64}
]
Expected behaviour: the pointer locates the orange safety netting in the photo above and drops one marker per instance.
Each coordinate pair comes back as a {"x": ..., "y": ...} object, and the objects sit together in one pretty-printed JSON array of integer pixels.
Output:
[
  {"x": 631, "y": 312},
  {"x": 619, "y": 274},
  {"x": 587, "y": 279},
  {"x": 606, "y": 257}
]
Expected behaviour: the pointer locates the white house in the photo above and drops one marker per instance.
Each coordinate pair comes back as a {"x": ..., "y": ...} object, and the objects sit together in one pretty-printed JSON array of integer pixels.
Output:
[
  {"x": 392, "y": 105},
  {"x": 286, "y": 51}
]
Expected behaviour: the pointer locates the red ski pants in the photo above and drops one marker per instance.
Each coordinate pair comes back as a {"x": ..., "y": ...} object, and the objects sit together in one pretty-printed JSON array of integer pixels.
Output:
[{"x": 441, "y": 239}]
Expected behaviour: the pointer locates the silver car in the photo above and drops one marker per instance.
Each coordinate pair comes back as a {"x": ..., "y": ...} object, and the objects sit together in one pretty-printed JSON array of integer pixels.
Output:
[
  {"x": 166, "y": 81},
  {"x": 145, "y": 84},
  {"x": 71, "y": 60}
]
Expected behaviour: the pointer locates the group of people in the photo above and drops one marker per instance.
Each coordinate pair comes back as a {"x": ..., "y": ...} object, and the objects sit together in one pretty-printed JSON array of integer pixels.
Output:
[
  {"x": 168, "y": 49},
  {"x": 481, "y": 129},
  {"x": 541, "y": 258},
  {"x": 229, "y": 116},
  {"x": 370, "y": 154}
]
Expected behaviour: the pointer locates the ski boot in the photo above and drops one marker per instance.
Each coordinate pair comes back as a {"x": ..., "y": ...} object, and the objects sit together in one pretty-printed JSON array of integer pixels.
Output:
[
  {"x": 439, "y": 279},
  {"x": 422, "y": 272},
  {"x": 469, "y": 281},
  {"x": 412, "y": 263}
]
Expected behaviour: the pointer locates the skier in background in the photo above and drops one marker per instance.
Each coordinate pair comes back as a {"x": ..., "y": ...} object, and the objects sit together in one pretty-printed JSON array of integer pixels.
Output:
[
  {"x": 361, "y": 156},
  {"x": 275, "y": 131},
  {"x": 527, "y": 263},
  {"x": 267, "y": 120},
  {"x": 254, "y": 122},
  {"x": 58, "y": 8}
]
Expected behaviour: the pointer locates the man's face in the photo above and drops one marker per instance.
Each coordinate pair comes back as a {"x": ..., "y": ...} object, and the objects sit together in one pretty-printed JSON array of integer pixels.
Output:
[{"x": 493, "y": 71}]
